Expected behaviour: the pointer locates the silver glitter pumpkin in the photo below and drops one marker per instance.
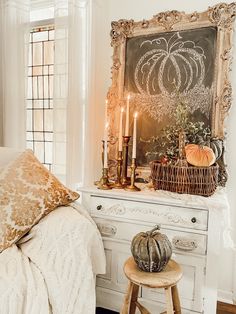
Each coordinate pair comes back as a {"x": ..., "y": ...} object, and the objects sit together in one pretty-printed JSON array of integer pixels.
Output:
[{"x": 151, "y": 250}]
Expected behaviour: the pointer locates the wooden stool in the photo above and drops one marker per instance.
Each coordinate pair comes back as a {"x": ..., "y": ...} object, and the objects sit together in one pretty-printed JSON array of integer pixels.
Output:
[{"x": 167, "y": 279}]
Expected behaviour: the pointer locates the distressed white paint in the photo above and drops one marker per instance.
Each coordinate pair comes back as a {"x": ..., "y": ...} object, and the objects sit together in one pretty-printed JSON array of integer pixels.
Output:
[{"x": 120, "y": 215}]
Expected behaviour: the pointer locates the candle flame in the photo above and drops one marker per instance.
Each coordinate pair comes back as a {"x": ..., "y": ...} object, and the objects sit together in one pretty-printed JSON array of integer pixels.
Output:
[
  {"x": 122, "y": 109},
  {"x": 128, "y": 97},
  {"x": 107, "y": 125},
  {"x": 136, "y": 115},
  {"x": 106, "y": 101}
]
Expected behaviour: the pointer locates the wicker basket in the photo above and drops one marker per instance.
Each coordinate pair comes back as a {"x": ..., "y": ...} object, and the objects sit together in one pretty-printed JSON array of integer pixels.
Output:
[{"x": 188, "y": 180}]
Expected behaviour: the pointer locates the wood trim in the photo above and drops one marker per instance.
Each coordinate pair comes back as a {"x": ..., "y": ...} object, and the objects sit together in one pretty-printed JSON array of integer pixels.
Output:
[{"x": 225, "y": 308}]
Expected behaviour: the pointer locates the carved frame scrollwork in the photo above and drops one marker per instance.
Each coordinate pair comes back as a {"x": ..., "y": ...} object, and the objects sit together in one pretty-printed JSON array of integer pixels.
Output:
[{"x": 221, "y": 16}]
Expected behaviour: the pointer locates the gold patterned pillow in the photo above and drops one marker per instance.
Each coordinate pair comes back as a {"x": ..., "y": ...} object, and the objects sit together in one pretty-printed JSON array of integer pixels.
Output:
[{"x": 28, "y": 192}]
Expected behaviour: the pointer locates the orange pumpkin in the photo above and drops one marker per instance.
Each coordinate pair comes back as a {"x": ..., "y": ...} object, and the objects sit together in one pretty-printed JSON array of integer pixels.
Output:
[{"x": 199, "y": 156}]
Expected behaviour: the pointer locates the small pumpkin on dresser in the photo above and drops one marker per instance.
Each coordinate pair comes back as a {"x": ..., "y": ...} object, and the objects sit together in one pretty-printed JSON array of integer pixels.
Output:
[
  {"x": 217, "y": 145},
  {"x": 199, "y": 156},
  {"x": 151, "y": 250}
]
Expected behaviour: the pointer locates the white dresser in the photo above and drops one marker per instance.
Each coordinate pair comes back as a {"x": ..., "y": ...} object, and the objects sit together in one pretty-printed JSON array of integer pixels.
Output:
[{"x": 193, "y": 229}]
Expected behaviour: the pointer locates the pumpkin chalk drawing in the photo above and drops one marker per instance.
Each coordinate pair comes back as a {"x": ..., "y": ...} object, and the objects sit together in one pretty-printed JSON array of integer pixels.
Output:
[
  {"x": 166, "y": 56},
  {"x": 172, "y": 67}
]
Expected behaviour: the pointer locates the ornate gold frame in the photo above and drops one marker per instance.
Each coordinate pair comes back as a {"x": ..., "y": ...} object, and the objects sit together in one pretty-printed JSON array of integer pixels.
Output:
[{"x": 221, "y": 16}]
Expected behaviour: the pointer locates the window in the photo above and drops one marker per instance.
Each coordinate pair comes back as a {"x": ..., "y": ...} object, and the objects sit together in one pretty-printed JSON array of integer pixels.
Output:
[{"x": 40, "y": 94}]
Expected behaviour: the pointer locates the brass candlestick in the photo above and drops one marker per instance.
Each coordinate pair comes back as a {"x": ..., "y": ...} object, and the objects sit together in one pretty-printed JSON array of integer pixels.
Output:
[
  {"x": 118, "y": 184},
  {"x": 125, "y": 179},
  {"x": 104, "y": 182},
  {"x": 132, "y": 187},
  {"x": 104, "y": 179}
]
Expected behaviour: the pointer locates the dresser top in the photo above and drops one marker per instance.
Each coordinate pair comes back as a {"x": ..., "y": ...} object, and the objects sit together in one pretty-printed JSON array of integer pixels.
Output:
[{"x": 218, "y": 200}]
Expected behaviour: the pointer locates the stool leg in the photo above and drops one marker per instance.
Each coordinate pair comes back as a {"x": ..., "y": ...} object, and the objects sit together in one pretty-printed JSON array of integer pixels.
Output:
[
  {"x": 169, "y": 303},
  {"x": 134, "y": 297},
  {"x": 125, "y": 307},
  {"x": 142, "y": 309},
  {"x": 131, "y": 296},
  {"x": 176, "y": 301}
]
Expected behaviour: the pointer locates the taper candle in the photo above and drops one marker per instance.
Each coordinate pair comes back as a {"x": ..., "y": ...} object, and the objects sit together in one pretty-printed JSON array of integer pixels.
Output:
[
  {"x": 135, "y": 136},
  {"x": 121, "y": 131},
  {"x": 105, "y": 165},
  {"x": 127, "y": 116}
]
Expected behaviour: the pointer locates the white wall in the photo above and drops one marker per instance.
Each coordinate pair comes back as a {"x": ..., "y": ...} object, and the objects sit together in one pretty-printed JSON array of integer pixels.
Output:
[
  {"x": 104, "y": 12},
  {"x": 1, "y": 113},
  {"x": 1, "y": 125}
]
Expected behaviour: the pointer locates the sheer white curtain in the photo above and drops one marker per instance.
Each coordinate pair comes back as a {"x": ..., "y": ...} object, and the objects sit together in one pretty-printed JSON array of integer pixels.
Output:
[
  {"x": 71, "y": 89},
  {"x": 14, "y": 27},
  {"x": 71, "y": 81}
]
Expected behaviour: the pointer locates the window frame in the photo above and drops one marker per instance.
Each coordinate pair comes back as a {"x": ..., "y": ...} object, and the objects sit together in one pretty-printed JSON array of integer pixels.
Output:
[{"x": 42, "y": 25}]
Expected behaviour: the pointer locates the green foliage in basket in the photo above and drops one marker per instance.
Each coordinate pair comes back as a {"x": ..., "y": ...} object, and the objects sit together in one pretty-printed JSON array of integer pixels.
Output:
[{"x": 196, "y": 132}]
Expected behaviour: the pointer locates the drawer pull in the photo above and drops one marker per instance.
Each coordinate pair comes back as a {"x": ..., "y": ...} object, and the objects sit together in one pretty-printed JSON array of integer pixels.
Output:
[
  {"x": 99, "y": 207},
  {"x": 107, "y": 230},
  {"x": 184, "y": 244},
  {"x": 194, "y": 220}
]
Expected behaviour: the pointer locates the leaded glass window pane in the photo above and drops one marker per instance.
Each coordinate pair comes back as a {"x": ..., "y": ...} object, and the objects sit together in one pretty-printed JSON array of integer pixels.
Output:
[{"x": 40, "y": 94}]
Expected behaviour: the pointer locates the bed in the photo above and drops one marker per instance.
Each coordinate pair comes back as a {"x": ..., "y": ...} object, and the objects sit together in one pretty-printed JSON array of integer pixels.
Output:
[{"x": 52, "y": 269}]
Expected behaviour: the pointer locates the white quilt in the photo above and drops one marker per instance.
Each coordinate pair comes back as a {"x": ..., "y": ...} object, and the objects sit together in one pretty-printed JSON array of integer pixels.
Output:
[{"x": 52, "y": 269}]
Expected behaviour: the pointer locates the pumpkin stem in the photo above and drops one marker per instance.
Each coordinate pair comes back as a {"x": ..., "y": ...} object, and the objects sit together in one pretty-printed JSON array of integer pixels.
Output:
[{"x": 157, "y": 227}]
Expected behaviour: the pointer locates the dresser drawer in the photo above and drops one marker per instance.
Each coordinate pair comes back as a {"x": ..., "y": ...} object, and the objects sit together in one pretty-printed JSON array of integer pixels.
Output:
[
  {"x": 116, "y": 255},
  {"x": 148, "y": 212},
  {"x": 182, "y": 241}
]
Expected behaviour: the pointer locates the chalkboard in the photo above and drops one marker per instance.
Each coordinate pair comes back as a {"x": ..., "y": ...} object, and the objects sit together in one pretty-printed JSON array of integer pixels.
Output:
[
  {"x": 163, "y": 70},
  {"x": 176, "y": 68}
]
